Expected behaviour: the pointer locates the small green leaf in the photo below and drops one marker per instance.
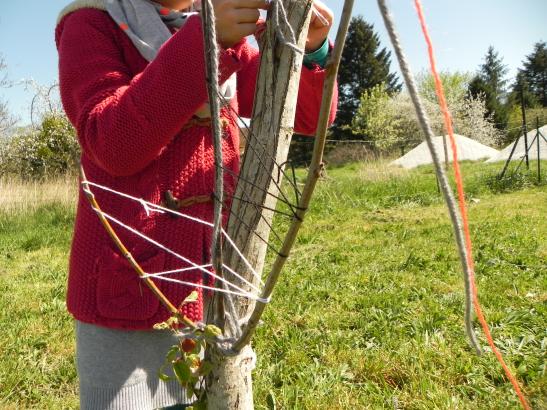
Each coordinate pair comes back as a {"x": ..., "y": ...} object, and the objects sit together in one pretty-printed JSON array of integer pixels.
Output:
[
  {"x": 270, "y": 401},
  {"x": 211, "y": 331},
  {"x": 182, "y": 371},
  {"x": 205, "y": 368},
  {"x": 161, "y": 326},
  {"x": 172, "y": 321},
  {"x": 172, "y": 353},
  {"x": 192, "y": 297},
  {"x": 193, "y": 360},
  {"x": 161, "y": 374}
]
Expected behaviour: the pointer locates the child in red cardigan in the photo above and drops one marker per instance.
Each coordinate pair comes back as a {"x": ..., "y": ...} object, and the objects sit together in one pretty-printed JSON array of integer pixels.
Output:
[{"x": 132, "y": 82}]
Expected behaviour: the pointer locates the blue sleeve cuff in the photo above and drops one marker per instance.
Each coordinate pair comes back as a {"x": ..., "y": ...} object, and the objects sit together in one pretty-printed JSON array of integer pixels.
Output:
[{"x": 318, "y": 57}]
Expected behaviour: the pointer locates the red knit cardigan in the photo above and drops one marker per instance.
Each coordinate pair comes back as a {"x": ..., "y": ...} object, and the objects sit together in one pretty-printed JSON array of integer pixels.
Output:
[{"x": 130, "y": 118}]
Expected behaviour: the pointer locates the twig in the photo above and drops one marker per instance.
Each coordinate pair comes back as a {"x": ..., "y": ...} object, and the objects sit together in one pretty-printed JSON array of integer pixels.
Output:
[
  {"x": 313, "y": 176},
  {"x": 134, "y": 264}
]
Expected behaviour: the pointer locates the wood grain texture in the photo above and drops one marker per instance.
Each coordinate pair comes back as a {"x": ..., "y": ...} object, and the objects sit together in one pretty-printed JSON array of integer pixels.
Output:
[{"x": 268, "y": 145}]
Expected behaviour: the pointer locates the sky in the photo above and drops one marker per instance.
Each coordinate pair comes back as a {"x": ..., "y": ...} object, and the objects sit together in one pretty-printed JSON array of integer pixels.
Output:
[{"x": 462, "y": 31}]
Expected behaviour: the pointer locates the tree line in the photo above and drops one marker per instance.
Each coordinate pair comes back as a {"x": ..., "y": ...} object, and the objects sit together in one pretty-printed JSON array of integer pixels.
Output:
[
  {"x": 485, "y": 105},
  {"x": 373, "y": 108}
]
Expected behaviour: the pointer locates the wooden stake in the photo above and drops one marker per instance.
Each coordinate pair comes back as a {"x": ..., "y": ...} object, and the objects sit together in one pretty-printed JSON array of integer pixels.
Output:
[
  {"x": 229, "y": 385},
  {"x": 314, "y": 173}
]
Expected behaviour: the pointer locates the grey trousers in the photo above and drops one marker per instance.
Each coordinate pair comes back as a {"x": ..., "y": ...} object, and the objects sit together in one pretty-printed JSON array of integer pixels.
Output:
[{"x": 118, "y": 369}]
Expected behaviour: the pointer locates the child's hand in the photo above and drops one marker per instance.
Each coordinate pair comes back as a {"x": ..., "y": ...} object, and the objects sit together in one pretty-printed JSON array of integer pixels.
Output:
[
  {"x": 236, "y": 19},
  {"x": 320, "y": 24}
]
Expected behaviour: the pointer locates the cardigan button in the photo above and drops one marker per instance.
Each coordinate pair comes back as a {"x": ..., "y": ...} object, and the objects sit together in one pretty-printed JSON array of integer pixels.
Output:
[{"x": 175, "y": 204}]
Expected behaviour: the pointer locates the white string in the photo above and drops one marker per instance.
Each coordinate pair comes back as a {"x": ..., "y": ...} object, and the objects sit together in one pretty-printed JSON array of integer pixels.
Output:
[
  {"x": 243, "y": 258},
  {"x": 209, "y": 265},
  {"x": 157, "y": 208},
  {"x": 169, "y": 272},
  {"x": 241, "y": 292},
  {"x": 230, "y": 313},
  {"x": 233, "y": 272},
  {"x": 160, "y": 209},
  {"x": 164, "y": 248},
  {"x": 147, "y": 209},
  {"x": 196, "y": 285}
]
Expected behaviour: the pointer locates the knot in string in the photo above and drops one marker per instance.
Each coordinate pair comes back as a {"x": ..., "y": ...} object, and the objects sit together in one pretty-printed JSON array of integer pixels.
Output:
[{"x": 279, "y": 17}]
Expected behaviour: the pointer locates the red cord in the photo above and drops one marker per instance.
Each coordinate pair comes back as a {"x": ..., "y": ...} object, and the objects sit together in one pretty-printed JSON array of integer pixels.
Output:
[{"x": 461, "y": 199}]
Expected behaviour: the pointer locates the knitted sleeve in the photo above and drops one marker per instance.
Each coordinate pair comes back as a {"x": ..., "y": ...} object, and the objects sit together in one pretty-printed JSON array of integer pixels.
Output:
[
  {"x": 124, "y": 121},
  {"x": 309, "y": 94}
]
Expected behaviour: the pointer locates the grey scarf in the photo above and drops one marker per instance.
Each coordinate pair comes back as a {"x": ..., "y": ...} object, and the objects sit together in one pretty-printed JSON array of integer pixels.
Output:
[{"x": 147, "y": 25}]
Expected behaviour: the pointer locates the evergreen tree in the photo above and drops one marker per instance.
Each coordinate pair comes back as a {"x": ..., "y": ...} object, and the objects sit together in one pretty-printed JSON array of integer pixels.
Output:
[
  {"x": 521, "y": 93},
  {"x": 364, "y": 65},
  {"x": 493, "y": 72},
  {"x": 535, "y": 72},
  {"x": 490, "y": 82}
]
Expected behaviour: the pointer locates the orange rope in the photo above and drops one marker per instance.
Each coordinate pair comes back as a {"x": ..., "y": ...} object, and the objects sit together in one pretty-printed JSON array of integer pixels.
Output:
[{"x": 461, "y": 198}]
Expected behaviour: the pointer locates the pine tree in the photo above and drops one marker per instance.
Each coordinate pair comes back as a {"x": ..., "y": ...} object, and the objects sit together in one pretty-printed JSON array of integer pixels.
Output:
[
  {"x": 521, "y": 93},
  {"x": 493, "y": 72},
  {"x": 364, "y": 65},
  {"x": 491, "y": 83},
  {"x": 535, "y": 72}
]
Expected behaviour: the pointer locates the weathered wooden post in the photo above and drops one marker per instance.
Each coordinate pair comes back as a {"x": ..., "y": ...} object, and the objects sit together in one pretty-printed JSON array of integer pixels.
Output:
[{"x": 229, "y": 385}]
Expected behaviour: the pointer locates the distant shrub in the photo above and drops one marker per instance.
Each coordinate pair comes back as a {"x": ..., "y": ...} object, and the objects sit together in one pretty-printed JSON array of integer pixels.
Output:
[
  {"x": 390, "y": 121},
  {"x": 512, "y": 181},
  {"x": 535, "y": 117},
  {"x": 50, "y": 150},
  {"x": 344, "y": 153},
  {"x": 301, "y": 150}
]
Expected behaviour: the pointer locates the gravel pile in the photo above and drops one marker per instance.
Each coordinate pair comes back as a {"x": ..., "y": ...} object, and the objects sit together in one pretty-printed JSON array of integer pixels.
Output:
[
  {"x": 467, "y": 149},
  {"x": 520, "y": 151}
]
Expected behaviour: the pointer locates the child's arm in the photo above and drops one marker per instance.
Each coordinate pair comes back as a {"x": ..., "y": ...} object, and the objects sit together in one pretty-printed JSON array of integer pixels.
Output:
[
  {"x": 311, "y": 80},
  {"x": 310, "y": 95},
  {"x": 124, "y": 120}
]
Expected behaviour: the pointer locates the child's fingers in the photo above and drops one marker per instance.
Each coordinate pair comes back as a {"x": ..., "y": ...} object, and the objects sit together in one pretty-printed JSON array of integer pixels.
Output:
[
  {"x": 236, "y": 19},
  {"x": 318, "y": 20},
  {"x": 251, "y": 4},
  {"x": 247, "y": 16},
  {"x": 320, "y": 24},
  {"x": 246, "y": 29},
  {"x": 322, "y": 16}
]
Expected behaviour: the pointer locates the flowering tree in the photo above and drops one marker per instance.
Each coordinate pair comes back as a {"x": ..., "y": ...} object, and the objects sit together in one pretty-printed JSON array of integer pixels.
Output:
[
  {"x": 391, "y": 121},
  {"x": 51, "y": 149}
]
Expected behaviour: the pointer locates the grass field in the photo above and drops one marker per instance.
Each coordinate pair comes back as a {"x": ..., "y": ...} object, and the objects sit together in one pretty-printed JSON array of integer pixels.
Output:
[{"x": 369, "y": 312}]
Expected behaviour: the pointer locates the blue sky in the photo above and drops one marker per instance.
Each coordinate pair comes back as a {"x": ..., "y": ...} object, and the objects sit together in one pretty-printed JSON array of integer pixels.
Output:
[{"x": 461, "y": 30}]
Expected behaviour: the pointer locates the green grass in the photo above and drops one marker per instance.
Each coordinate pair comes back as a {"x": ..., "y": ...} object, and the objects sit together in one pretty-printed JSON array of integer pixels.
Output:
[
  {"x": 37, "y": 362},
  {"x": 369, "y": 310}
]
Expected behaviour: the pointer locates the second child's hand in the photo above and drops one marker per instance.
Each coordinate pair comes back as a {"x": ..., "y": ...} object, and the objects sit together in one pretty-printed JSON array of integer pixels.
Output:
[{"x": 320, "y": 25}]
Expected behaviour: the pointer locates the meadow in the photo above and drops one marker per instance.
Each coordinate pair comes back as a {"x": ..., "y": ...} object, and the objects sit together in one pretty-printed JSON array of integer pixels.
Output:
[{"x": 369, "y": 311}]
